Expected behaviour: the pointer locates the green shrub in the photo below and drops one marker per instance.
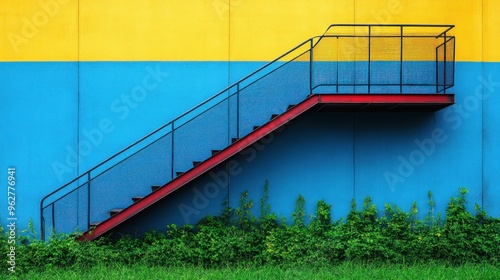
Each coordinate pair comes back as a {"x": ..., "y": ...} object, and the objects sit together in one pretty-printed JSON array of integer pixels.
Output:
[{"x": 237, "y": 238}]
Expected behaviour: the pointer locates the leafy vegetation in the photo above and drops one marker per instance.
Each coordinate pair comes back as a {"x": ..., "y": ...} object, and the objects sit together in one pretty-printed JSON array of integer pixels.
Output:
[
  {"x": 345, "y": 270},
  {"x": 239, "y": 240}
]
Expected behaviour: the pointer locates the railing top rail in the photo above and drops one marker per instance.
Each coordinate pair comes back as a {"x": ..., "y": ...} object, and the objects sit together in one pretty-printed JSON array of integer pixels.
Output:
[
  {"x": 389, "y": 25},
  {"x": 444, "y": 28}
]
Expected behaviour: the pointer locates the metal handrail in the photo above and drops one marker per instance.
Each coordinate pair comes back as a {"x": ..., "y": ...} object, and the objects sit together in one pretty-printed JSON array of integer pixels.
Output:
[
  {"x": 309, "y": 43},
  {"x": 171, "y": 123}
]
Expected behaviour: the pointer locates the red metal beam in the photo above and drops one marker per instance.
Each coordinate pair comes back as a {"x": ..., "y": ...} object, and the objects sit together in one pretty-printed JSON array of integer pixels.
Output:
[
  {"x": 430, "y": 99},
  {"x": 311, "y": 101}
]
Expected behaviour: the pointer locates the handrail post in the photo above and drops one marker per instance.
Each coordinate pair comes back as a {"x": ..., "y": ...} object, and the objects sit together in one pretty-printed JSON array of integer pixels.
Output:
[
  {"x": 453, "y": 63},
  {"x": 42, "y": 222},
  {"x": 401, "y": 60},
  {"x": 53, "y": 217},
  {"x": 437, "y": 69},
  {"x": 42, "y": 225},
  {"x": 337, "y": 67},
  {"x": 172, "y": 146},
  {"x": 444, "y": 63},
  {"x": 88, "y": 200},
  {"x": 369, "y": 57},
  {"x": 238, "y": 110},
  {"x": 310, "y": 65}
]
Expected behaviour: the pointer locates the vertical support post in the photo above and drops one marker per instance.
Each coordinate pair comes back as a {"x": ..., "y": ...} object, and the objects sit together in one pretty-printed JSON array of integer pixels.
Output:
[
  {"x": 238, "y": 110},
  {"x": 444, "y": 64},
  {"x": 53, "y": 216},
  {"x": 88, "y": 199},
  {"x": 42, "y": 222},
  {"x": 338, "y": 47},
  {"x": 401, "y": 60},
  {"x": 369, "y": 57},
  {"x": 42, "y": 226},
  {"x": 228, "y": 98},
  {"x": 437, "y": 69},
  {"x": 453, "y": 64},
  {"x": 310, "y": 65},
  {"x": 172, "y": 167}
]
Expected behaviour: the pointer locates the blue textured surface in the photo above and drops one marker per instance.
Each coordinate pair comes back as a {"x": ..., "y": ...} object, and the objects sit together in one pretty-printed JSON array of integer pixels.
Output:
[{"x": 331, "y": 156}]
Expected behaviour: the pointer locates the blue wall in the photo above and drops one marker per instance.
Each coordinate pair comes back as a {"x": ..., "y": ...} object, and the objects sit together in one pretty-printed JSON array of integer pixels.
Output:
[
  {"x": 391, "y": 157},
  {"x": 51, "y": 110}
]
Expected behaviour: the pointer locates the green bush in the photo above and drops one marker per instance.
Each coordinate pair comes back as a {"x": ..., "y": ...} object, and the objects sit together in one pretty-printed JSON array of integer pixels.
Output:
[{"x": 237, "y": 238}]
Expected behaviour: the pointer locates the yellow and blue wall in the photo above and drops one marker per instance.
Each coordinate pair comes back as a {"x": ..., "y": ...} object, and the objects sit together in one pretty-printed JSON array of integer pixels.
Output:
[{"x": 80, "y": 80}]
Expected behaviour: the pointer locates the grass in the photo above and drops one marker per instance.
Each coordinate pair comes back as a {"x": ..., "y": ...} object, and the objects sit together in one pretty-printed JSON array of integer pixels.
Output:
[{"x": 341, "y": 271}]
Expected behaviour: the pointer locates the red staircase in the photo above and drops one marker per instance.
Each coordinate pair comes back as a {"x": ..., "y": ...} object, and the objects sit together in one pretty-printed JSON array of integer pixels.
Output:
[
  {"x": 311, "y": 76},
  {"x": 351, "y": 102}
]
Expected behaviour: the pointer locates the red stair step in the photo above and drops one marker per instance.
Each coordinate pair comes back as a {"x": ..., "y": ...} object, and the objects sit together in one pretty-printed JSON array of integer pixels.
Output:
[
  {"x": 137, "y": 198},
  {"x": 113, "y": 212}
]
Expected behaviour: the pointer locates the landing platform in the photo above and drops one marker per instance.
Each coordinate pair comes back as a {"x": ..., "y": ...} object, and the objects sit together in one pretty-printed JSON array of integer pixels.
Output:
[{"x": 384, "y": 102}]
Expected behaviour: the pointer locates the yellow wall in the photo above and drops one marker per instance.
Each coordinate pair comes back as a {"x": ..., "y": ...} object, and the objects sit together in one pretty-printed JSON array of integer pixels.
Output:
[
  {"x": 237, "y": 30},
  {"x": 491, "y": 30},
  {"x": 32, "y": 32}
]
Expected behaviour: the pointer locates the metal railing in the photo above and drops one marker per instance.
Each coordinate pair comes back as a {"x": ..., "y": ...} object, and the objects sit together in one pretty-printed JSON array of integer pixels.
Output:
[
  {"x": 365, "y": 58},
  {"x": 345, "y": 59}
]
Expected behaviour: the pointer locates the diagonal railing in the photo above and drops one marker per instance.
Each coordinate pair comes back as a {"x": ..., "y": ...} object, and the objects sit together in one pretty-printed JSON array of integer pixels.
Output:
[{"x": 360, "y": 58}]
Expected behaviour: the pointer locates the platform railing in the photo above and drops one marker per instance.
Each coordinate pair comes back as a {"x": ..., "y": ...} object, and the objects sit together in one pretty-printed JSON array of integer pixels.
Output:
[{"x": 367, "y": 58}]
